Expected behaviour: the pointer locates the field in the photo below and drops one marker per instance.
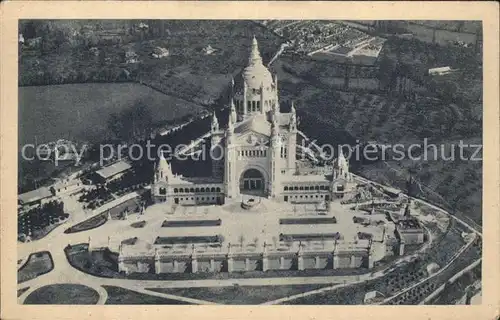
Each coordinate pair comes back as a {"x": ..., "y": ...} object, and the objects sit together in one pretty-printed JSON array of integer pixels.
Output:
[
  {"x": 63, "y": 294},
  {"x": 117, "y": 295},
  {"x": 240, "y": 294},
  {"x": 38, "y": 263},
  {"x": 80, "y": 112}
]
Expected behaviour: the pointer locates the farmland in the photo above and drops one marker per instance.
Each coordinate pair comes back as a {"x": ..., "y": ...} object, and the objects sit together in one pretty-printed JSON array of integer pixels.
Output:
[{"x": 80, "y": 112}]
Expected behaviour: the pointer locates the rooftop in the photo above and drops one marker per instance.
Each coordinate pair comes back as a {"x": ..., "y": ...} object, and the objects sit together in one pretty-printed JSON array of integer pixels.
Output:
[
  {"x": 113, "y": 169},
  {"x": 305, "y": 178},
  {"x": 34, "y": 195},
  {"x": 179, "y": 179},
  {"x": 409, "y": 224}
]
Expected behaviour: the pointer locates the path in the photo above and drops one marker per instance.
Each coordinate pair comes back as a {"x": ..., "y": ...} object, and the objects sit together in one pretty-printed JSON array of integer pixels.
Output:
[{"x": 63, "y": 272}]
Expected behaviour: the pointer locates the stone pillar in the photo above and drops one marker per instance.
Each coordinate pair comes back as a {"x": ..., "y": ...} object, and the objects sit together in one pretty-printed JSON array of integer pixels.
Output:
[
  {"x": 176, "y": 266},
  {"x": 265, "y": 262},
  {"x": 370, "y": 261},
  {"x": 247, "y": 264},
  {"x": 194, "y": 261},
  {"x": 265, "y": 259},
  {"x": 90, "y": 245},
  {"x": 316, "y": 262},
  {"x": 353, "y": 262},
  {"x": 212, "y": 265},
  {"x": 157, "y": 262},
  {"x": 194, "y": 264},
  {"x": 230, "y": 262},
  {"x": 401, "y": 248},
  {"x": 282, "y": 263},
  {"x": 335, "y": 259},
  {"x": 300, "y": 262},
  {"x": 300, "y": 258},
  {"x": 121, "y": 264},
  {"x": 244, "y": 98},
  {"x": 262, "y": 99}
]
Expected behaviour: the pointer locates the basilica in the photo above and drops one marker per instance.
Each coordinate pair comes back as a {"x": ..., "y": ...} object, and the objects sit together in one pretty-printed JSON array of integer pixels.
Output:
[{"x": 260, "y": 151}]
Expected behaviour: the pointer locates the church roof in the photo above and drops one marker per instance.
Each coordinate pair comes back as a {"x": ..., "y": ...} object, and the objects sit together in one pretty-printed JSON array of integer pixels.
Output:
[
  {"x": 255, "y": 73},
  {"x": 257, "y": 123}
]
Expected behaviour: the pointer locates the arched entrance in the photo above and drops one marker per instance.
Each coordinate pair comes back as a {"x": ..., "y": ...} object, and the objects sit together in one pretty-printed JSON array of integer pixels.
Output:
[{"x": 252, "y": 182}]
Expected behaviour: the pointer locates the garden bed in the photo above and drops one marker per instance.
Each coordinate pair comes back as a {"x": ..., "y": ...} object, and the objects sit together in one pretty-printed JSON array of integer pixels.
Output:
[
  {"x": 308, "y": 220},
  {"x": 88, "y": 224},
  {"x": 37, "y": 264},
  {"x": 187, "y": 240},
  {"x": 139, "y": 224},
  {"x": 102, "y": 263},
  {"x": 129, "y": 241},
  {"x": 191, "y": 223},
  {"x": 309, "y": 236}
]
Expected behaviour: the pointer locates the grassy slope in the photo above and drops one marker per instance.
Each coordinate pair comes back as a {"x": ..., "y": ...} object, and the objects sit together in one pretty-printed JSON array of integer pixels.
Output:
[
  {"x": 80, "y": 112},
  {"x": 345, "y": 117},
  {"x": 117, "y": 295},
  {"x": 240, "y": 294}
]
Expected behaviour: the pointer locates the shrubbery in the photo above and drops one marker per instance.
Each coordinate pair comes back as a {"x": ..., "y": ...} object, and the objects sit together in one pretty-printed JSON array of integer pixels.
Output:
[{"x": 41, "y": 217}]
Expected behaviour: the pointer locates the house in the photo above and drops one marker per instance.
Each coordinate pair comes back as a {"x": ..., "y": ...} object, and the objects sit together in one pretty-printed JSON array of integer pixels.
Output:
[
  {"x": 159, "y": 52},
  {"x": 208, "y": 50},
  {"x": 36, "y": 196},
  {"x": 68, "y": 186},
  {"x": 112, "y": 172},
  {"x": 440, "y": 71}
]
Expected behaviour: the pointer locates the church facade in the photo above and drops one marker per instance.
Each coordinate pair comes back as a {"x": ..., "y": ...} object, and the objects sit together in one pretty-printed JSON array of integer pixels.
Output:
[{"x": 257, "y": 152}]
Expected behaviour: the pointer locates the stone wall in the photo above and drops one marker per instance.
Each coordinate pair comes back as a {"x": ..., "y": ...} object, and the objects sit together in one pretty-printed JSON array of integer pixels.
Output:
[{"x": 245, "y": 262}]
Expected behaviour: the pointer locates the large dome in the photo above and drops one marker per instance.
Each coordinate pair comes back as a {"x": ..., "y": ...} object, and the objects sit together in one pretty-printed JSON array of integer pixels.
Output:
[{"x": 256, "y": 74}]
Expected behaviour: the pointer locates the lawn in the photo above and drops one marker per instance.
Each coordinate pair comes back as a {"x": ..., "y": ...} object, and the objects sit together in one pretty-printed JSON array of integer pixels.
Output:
[
  {"x": 455, "y": 291},
  {"x": 351, "y": 295},
  {"x": 63, "y": 294},
  {"x": 240, "y": 294},
  {"x": 38, "y": 263},
  {"x": 103, "y": 263},
  {"x": 117, "y": 295}
]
